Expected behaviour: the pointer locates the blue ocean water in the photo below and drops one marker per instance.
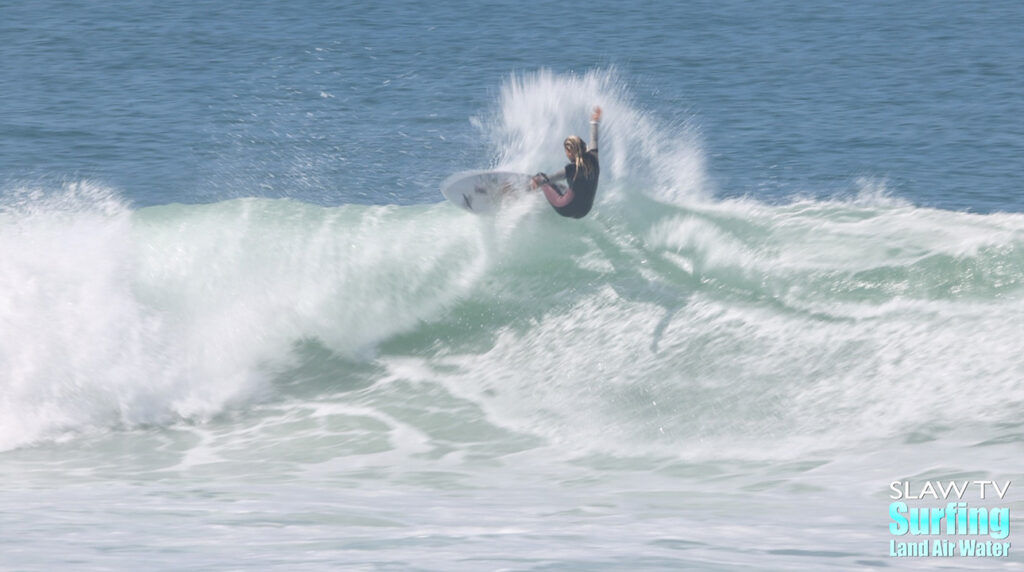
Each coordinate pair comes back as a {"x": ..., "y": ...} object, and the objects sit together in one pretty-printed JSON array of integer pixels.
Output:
[{"x": 239, "y": 329}]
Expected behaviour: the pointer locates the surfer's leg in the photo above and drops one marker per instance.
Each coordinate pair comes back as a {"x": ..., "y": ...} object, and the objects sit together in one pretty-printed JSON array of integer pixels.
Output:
[{"x": 558, "y": 196}]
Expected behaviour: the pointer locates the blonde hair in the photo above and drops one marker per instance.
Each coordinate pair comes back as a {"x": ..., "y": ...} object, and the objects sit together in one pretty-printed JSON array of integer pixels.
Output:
[{"x": 575, "y": 146}]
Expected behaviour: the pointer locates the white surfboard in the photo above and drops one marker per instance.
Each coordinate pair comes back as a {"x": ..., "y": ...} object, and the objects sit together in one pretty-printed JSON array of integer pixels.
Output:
[{"x": 483, "y": 192}]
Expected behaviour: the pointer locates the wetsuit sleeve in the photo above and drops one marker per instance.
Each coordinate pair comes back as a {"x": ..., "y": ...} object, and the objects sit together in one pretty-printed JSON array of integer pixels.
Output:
[{"x": 593, "y": 137}]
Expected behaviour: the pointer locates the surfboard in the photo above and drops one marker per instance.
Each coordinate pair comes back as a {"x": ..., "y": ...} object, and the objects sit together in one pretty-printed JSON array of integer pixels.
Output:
[{"x": 483, "y": 192}]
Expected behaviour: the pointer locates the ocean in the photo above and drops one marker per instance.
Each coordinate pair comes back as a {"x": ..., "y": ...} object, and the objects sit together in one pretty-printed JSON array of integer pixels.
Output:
[{"x": 241, "y": 329}]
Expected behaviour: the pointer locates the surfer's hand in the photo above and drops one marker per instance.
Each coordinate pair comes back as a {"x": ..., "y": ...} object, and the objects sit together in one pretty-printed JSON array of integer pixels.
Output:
[
  {"x": 596, "y": 115},
  {"x": 537, "y": 180}
]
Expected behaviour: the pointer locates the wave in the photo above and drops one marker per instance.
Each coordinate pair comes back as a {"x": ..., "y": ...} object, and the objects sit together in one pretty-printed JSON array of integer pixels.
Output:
[
  {"x": 667, "y": 321},
  {"x": 654, "y": 324}
]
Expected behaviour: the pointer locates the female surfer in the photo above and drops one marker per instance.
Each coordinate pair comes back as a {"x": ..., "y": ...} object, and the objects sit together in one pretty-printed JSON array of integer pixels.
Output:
[{"x": 581, "y": 175}]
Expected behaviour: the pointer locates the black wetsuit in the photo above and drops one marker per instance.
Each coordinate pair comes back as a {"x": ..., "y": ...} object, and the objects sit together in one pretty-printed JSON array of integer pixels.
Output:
[
  {"x": 583, "y": 185},
  {"x": 578, "y": 199}
]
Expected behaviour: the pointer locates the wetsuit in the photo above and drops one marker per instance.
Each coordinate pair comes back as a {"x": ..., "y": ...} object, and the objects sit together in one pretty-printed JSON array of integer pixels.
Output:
[{"x": 577, "y": 200}]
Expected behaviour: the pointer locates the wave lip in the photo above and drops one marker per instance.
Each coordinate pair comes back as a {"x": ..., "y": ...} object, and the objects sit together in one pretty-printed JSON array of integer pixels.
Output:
[{"x": 536, "y": 111}]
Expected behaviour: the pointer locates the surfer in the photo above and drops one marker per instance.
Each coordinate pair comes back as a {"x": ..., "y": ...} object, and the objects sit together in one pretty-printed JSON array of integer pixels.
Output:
[{"x": 576, "y": 199}]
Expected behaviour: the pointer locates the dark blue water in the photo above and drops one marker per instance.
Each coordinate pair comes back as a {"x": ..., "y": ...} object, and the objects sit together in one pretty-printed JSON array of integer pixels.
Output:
[{"x": 330, "y": 103}]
